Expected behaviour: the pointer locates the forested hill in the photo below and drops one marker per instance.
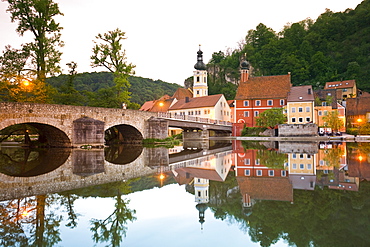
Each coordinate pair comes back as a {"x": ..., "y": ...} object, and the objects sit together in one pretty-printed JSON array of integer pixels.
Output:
[
  {"x": 335, "y": 46},
  {"x": 142, "y": 89}
]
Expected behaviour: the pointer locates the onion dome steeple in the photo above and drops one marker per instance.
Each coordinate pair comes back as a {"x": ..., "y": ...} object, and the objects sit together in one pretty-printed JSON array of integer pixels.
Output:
[{"x": 200, "y": 65}]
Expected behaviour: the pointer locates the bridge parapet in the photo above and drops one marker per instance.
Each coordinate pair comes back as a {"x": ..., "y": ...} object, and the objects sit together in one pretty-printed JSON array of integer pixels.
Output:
[{"x": 167, "y": 115}]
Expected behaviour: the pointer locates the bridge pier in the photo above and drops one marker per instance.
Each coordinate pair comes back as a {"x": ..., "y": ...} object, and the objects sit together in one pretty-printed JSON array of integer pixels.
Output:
[{"x": 157, "y": 128}]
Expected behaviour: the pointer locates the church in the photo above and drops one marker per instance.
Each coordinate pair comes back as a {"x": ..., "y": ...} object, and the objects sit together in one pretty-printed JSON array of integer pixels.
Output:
[{"x": 193, "y": 101}]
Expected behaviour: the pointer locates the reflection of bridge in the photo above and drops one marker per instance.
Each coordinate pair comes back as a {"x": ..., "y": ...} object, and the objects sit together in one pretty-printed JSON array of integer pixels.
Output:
[
  {"x": 82, "y": 168},
  {"x": 65, "y": 125}
]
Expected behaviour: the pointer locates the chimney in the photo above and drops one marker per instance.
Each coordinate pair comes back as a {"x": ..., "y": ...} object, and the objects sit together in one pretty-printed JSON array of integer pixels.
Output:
[{"x": 187, "y": 100}]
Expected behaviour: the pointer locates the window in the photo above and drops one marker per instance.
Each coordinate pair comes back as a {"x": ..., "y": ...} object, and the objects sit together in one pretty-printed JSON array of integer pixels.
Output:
[
  {"x": 301, "y": 166},
  {"x": 271, "y": 173},
  {"x": 308, "y": 119},
  {"x": 198, "y": 79},
  {"x": 269, "y": 102},
  {"x": 293, "y": 109},
  {"x": 309, "y": 166},
  {"x": 294, "y": 166},
  {"x": 259, "y": 172},
  {"x": 197, "y": 91},
  {"x": 246, "y": 103},
  {"x": 247, "y": 172},
  {"x": 283, "y": 173},
  {"x": 293, "y": 119},
  {"x": 300, "y": 119},
  {"x": 256, "y": 113},
  {"x": 246, "y": 114},
  {"x": 308, "y": 109},
  {"x": 320, "y": 113},
  {"x": 258, "y": 102},
  {"x": 246, "y": 161},
  {"x": 294, "y": 156},
  {"x": 300, "y": 109},
  {"x": 308, "y": 156},
  {"x": 205, "y": 79},
  {"x": 257, "y": 162},
  {"x": 325, "y": 113},
  {"x": 301, "y": 156},
  {"x": 323, "y": 103},
  {"x": 282, "y": 102}
]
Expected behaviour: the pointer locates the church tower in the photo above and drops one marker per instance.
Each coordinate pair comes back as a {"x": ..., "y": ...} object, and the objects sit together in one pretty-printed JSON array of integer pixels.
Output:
[
  {"x": 200, "y": 87},
  {"x": 201, "y": 186},
  {"x": 244, "y": 71}
]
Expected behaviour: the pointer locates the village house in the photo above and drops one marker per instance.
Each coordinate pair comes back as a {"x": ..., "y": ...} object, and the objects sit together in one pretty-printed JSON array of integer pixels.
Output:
[
  {"x": 257, "y": 94},
  {"x": 348, "y": 89},
  {"x": 300, "y": 105},
  {"x": 358, "y": 111}
]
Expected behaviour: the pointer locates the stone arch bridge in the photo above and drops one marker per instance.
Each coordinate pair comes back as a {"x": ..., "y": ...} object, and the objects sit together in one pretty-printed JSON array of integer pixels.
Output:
[{"x": 75, "y": 126}]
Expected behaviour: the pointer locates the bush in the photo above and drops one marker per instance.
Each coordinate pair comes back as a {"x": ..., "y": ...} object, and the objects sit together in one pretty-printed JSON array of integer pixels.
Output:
[{"x": 252, "y": 131}]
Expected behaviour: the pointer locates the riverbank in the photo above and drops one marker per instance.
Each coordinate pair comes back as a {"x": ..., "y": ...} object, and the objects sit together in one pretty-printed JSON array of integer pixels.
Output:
[{"x": 344, "y": 137}]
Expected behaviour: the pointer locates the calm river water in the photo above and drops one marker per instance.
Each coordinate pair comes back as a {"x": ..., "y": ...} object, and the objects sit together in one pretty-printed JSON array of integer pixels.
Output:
[{"x": 217, "y": 193}]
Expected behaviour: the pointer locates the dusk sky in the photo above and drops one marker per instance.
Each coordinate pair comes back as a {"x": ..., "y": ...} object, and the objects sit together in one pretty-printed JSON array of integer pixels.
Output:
[{"x": 163, "y": 36}]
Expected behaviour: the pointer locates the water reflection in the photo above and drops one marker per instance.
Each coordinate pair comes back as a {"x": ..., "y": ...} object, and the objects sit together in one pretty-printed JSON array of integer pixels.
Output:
[{"x": 297, "y": 194}]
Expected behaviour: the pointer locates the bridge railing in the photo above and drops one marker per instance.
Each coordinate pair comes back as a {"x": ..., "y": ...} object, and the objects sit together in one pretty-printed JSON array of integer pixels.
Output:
[{"x": 193, "y": 119}]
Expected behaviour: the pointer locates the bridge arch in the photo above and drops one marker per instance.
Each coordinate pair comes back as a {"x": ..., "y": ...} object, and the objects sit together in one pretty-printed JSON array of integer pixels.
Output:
[
  {"x": 123, "y": 133},
  {"x": 49, "y": 134}
]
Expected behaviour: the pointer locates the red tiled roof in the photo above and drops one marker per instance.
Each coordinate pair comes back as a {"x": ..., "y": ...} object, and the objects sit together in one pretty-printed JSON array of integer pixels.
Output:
[
  {"x": 275, "y": 189},
  {"x": 147, "y": 106},
  {"x": 301, "y": 93},
  {"x": 197, "y": 102},
  {"x": 182, "y": 93},
  {"x": 264, "y": 87},
  {"x": 340, "y": 84},
  {"x": 357, "y": 106}
]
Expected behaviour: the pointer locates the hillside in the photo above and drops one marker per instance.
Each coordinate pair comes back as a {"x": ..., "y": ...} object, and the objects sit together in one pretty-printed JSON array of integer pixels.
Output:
[
  {"x": 333, "y": 47},
  {"x": 142, "y": 89}
]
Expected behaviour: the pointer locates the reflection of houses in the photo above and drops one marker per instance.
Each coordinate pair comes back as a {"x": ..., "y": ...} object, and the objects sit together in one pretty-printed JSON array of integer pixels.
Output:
[
  {"x": 302, "y": 173},
  {"x": 331, "y": 164},
  {"x": 257, "y": 181}
]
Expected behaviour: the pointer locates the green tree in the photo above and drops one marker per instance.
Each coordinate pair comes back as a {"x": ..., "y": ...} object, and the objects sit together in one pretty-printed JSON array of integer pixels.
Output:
[
  {"x": 271, "y": 117},
  {"x": 109, "y": 54},
  {"x": 333, "y": 121},
  {"x": 37, "y": 16}
]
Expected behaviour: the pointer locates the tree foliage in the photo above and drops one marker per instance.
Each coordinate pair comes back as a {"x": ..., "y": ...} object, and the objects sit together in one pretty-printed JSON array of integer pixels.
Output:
[
  {"x": 37, "y": 17},
  {"x": 333, "y": 121},
  {"x": 332, "y": 47},
  {"x": 271, "y": 117},
  {"x": 109, "y": 54}
]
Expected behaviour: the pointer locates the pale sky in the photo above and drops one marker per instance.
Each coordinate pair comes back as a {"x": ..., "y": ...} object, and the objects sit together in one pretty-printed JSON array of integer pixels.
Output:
[{"x": 163, "y": 36}]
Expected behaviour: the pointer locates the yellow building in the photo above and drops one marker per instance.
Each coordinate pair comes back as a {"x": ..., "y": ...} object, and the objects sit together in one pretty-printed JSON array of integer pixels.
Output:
[{"x": 300, "y": 105}]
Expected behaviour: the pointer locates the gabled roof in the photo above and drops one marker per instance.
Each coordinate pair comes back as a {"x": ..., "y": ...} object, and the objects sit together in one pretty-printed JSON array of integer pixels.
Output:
[
  {"x": 340, "y": 84},
  {"x": 147, "y": 106},
  {"x": 264, "y": 87},
  {"x": 357, "y": 106},
  {"x": 275, "y": 188},
  {"x": 197, "y": 102},
  {"x": 324, "y": 94},
  {"x": 182, "y": 93},
  {"x": 301, "y": 94}
]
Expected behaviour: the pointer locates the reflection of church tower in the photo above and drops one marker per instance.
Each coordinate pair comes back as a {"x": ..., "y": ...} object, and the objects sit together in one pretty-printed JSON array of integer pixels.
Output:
[
  {"x": 200, "y": 87},
  {"x": 202, "y": 207},
  {"x": 201, "y": 186}
]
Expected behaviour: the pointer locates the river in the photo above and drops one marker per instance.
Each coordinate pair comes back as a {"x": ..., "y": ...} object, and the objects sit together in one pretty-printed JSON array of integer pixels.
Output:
[{"x": 217, "y": 193}]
